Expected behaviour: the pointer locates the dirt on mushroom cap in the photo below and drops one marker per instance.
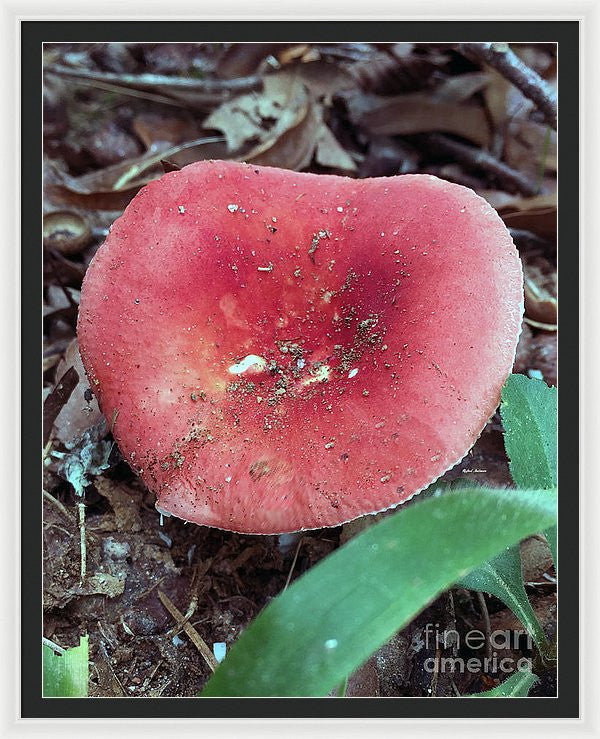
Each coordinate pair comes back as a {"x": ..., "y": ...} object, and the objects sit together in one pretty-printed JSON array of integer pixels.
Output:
[{"x": 291, "y": 351}]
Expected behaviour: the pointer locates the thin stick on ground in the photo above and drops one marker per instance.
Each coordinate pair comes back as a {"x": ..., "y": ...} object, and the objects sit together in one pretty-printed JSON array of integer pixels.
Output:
[
  {"x": 504, "y": 60},
  {"x": 194, "y": 636},
  {"x": 289, "y": 577},
  {"x": 436, "y": 672},
  {"x": 150, "y": 81},
  {"x": 53, "y": 646},
  {"x": 58, "y": 505},
  {"x": 114, "y": 675},
  {"x": 479, "y": 159},
  {"x": 83, "y": 548},
  {"x": 487, "y": 624}
]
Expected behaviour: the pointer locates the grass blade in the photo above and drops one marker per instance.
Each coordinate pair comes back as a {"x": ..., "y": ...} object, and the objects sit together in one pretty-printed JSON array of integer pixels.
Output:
[
  {"x": 66, "y": 675},
  {"x": 502, "y": 577},
  {"x": 517, "y": 685}
]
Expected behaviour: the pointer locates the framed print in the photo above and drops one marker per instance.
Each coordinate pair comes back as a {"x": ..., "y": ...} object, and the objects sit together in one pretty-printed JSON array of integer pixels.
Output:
[{"x": 295, "y": 286}]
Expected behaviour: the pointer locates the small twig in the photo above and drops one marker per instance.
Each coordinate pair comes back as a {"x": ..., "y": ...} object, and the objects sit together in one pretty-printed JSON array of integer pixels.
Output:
[
  {"x": 150, "y": 677},
  {"x": 47, "y": 449},
  {"x": 504, "y": 60},
  {"x": 194, "y": 636},
  {"x": 150, "y": 81},
  {"x": 83, "y": 548},
  {"x": 104, "y": 654},
  {"x": 454, "y": 688},
  {"x": 479, "y": 159},
  {"x": 289, "y": 577},
  {"x": 149, "y": 161},
  {"x": 58, "y": 505},
  {"x": 436, "y": 673},
  {"x": 488, "y": 626},
  {"x": 128, "y": 91},
  {"x": 53, "y": 646}
]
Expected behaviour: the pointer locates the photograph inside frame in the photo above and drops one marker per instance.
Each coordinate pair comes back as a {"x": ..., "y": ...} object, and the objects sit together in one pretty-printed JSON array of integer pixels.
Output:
[{"x": 300, "y": 370}]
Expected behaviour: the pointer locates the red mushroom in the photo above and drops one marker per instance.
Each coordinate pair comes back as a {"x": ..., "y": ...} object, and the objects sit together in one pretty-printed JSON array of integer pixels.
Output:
[{"x": 284, "y": 351}]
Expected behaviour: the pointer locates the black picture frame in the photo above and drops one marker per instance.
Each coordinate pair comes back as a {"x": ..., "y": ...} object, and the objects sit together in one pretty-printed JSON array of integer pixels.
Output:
[{"x": 33, "y": 35}]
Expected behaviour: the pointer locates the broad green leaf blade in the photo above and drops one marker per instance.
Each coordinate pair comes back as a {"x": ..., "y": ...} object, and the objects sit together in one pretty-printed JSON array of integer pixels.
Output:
[
  {"x": 528, "y": 411},
  {"x": 529, "y": 415},
  {"x": 517, "y": 685},
  {"x": 502, "y": 576},
  {"x": 332, "y": 619},
  {"x": 66, "y": 675}
]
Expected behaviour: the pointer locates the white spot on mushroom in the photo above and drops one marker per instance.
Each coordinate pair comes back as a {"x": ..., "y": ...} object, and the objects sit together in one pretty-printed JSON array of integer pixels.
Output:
[
  {"x": 321, "y": 375},
  {"x": 232, "y": 207},
  {"x": 251, "y": 361},
  {"x": 301, "y": 363},
  {"x": 228, "y": 478},
  {"x": 181, "y": 208},
  {"x": 353, "y": 372}
]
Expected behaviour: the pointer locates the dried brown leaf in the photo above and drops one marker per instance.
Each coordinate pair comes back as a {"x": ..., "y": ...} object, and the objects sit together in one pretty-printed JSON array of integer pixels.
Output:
[
  {"x": 125, "y": 503},
  {"x": 294, "y": 148},
  {"x": 110, "y": 144},
  {"x": 536, "y": 558},
  {"x": 545, "y": 610},
  {"x": 402, "y": 70},
  {"x": 163, "y": 132},
  {"x": 331, "y": 154},
  {"x": 540, "y": 293},
  {"x": 324, "y": 79},
  {"x": 261, "y": 116},
  {"x": 460, "y": 87},
  {"x": 496, "y": 97},
  {"x": 539, "y": 306},
  {"x": 244, "y": 59},
  {"x": 531, "y": 147},
  {"x": 78, "y": 413},
  {"x": 419, "y": 113},
  {"x": 365, "y": 681},
  {"x": 536, "y": 214},
  {"x": 113, "y": 187},
  {"x": 57, "y": 399}
]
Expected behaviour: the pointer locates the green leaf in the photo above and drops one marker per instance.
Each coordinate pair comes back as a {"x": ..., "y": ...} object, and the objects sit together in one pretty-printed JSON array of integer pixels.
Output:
[
  {"x": 517, "y": 685},
  {"x": 528, "y": 411},
  {"x": 529, "y": 415},
  {"x": 327, "y": 623},
  {"x": 502, "y": 577},
  {"x": 66, "y": 675}
]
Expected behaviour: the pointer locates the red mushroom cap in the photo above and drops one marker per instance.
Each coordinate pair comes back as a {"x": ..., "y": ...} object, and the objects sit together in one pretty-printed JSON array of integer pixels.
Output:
[{"x": 289, "y": 351}]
